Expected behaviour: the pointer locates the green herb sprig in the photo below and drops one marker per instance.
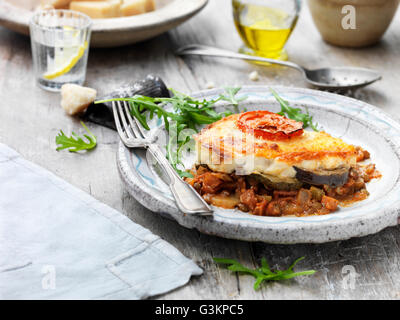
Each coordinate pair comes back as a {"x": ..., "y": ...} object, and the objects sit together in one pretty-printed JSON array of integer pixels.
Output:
[
  {"x": 264, "y": 273},
  {"x": 74, "y": 143},
  {"x": 295, "y": 113},
  {"x": 188, "y": 113},
  {"x": 230, "y": 96}
]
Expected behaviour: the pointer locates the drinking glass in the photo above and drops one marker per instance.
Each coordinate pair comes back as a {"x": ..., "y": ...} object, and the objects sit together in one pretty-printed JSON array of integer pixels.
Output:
[
  {"x": 60, "y": 46},
  {"x": 265, "y": 25}
]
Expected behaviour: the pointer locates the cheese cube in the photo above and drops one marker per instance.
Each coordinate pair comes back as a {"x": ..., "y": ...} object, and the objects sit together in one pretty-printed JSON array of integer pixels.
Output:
[
  {"x": 56, "y": 4},
  {"x": 97, "y": 9},
  {"x": 133, "y": 7},
  {"x": 75, "y": 99}
]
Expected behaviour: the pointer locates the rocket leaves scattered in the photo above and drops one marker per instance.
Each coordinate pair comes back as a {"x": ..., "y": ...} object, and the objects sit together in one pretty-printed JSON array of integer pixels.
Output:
[
  {"x": 230, "y": 96},
  {"x": 264, "y": 273},
  {"x": 295, "y": 113},
  {"x": 187, "y": 113},
  {"x": 191, "y": 113},
  {"x": 75, "y": 143}
]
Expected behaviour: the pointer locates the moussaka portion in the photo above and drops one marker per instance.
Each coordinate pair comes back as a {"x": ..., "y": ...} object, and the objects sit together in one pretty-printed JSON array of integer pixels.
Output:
[{"x": 266, "y": 164}]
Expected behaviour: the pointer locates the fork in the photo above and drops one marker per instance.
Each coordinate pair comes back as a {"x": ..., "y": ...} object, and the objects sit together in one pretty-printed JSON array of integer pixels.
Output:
[{"x": 133, "y": 135}]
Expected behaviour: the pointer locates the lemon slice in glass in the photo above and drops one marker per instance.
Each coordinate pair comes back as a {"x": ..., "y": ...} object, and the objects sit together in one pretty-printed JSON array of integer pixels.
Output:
[{"x": 65, "y": 59}]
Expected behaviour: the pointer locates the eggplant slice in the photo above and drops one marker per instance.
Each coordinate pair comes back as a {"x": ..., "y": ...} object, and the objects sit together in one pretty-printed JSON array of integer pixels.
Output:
[
  {"x": 333, "y": 178},
  {"x": 273, "y": 183}
]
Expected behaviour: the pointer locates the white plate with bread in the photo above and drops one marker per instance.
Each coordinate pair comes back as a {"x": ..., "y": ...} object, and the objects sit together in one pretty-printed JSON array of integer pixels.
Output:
[{"x": 115, "y": 22}]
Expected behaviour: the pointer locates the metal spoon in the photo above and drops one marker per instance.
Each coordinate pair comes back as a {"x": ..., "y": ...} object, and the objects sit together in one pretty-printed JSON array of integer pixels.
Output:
[{"x": 337, "y": 78}]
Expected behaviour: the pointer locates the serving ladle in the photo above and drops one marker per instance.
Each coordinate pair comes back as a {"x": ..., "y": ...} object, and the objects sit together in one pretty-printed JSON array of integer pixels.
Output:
[{"x": 337, "y": 78}]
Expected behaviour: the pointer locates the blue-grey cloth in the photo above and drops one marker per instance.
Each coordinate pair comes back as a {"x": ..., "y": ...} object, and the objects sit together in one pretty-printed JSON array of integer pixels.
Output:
[{"x": 57, "y": 242}]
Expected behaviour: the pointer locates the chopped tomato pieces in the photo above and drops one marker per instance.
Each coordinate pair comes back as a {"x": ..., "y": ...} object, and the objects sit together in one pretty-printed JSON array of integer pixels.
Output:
[
  {"x": 329, "y": 203},
  {"x": 248, "y": 194}
]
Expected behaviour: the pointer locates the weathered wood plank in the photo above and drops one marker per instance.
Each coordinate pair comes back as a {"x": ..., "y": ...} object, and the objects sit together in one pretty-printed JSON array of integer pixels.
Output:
[{"x": 30, "y": 119}]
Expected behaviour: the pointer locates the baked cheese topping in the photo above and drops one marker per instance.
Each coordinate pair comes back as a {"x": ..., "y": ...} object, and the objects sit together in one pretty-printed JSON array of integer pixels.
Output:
[{"x": 223, "y": 147}]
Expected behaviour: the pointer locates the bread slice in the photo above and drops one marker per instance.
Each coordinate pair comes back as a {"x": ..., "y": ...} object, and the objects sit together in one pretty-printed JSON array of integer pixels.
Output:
[
  {"x": 150, "y": 6},
  {"x": 133, "y": 7},
  {"x": 98, "y": 9},
  {"x": 56, "y": 4}
]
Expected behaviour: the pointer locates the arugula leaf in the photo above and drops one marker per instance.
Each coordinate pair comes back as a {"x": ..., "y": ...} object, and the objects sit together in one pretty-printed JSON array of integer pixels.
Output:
[
  {"x": 76, "y": 143},
  {"x": 264, "y": 273},
  {"x": 188, "y": 113},
  {"x": 265, "y": 267},
  {"x": 295, "y": 113},
  {"x": 230, "y": 96}
]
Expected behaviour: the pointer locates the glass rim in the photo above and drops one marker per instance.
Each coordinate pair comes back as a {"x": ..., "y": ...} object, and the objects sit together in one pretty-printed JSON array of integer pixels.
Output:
[{"x": 88, "y": 21}]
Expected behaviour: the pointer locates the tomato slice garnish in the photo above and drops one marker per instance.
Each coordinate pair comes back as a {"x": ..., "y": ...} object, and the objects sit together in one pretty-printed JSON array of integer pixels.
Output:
[{"x": 269, "y": 125}]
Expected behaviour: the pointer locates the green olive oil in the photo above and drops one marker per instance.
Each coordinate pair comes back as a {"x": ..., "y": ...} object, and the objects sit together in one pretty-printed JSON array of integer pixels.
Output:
[{"x": 264, "y": 30}]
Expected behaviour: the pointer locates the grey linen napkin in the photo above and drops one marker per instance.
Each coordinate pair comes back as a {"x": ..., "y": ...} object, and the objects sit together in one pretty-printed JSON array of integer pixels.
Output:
[{"x": 57, "y": 242}]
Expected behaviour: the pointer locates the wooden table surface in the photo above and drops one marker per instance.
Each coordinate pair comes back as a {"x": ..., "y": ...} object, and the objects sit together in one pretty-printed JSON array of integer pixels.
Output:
[{"x": 30, "y": 118}]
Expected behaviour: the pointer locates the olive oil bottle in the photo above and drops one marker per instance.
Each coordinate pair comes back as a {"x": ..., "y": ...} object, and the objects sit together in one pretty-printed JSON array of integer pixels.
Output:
[{"x": 264, "y": 30}]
